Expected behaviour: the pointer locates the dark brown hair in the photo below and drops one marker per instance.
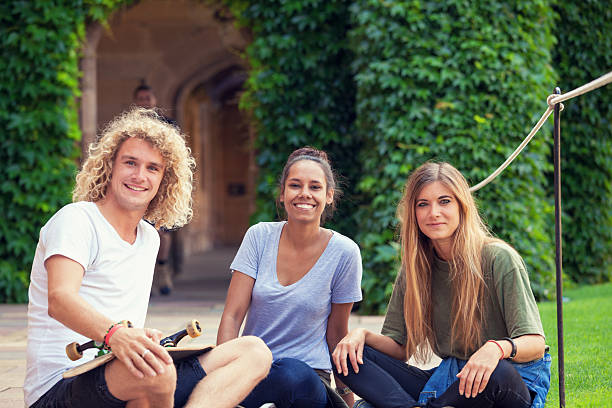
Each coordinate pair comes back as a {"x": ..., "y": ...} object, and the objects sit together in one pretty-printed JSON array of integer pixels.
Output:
[{"x": 319, "y": 157}]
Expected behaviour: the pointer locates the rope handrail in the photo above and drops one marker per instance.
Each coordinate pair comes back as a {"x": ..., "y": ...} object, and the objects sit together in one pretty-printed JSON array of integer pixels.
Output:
[
  {"x": 597, "y": 83},
  {"x": 552, "y": 100}
]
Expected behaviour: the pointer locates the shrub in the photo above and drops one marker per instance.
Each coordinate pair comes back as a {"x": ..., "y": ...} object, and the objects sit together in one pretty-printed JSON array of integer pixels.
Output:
[
  {"x": 39, "y": 45},
  {"x": 583, "y": 53},
  {"x": 299, "y": 91},
  {"x": 458, "y": 82}
]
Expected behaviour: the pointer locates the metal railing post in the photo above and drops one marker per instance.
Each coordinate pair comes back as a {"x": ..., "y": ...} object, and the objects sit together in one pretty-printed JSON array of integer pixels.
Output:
[{"x": 558, "y": 247}]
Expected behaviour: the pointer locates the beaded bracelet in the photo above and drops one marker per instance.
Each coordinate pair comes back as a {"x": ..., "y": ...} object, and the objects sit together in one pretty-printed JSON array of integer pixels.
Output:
[
  {"x": 343, "y": 390},
  {"x": 111, "y": 330}
]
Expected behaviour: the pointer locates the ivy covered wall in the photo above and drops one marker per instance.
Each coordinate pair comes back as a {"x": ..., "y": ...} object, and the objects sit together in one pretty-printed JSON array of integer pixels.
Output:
[
  {"x": 584, "y": 52},
  {"x": 39, "y": 83},
  {"x": 300, "y": 92},
  {"x": 381, "y": 86},
  {"x": 458, "y": 82}
]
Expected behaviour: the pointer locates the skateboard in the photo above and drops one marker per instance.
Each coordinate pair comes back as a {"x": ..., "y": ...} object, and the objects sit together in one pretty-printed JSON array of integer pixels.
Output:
[{"x": 74, "y": 351}]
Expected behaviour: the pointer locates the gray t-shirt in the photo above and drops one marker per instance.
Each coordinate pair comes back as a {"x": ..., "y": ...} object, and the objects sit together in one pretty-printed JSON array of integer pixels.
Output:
[
  {"x": 292, "y": 320},
  {"x": 509, "y": 306}
]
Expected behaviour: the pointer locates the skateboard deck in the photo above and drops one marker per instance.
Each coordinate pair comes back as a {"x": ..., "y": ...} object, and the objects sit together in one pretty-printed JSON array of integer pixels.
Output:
[
  {"x": 74, "y": 351},
  {"x": 177, "y": 354}
]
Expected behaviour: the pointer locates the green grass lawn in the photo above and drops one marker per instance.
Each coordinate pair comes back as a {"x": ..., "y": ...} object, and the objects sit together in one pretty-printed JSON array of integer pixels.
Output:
[{"x": 587, "y": 329}]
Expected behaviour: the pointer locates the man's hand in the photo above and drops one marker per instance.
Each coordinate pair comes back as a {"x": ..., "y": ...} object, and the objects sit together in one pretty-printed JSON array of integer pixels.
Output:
[
  {"x": 140, "y": 351},
  {"x": 476, "y": 373},
  {"x": 352, "y": 346}
]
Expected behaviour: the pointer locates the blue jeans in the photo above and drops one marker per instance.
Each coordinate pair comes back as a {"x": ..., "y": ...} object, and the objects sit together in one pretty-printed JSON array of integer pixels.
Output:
[
  {"x": 290, "y": 383},
  {"x": 386, "y": 382}
]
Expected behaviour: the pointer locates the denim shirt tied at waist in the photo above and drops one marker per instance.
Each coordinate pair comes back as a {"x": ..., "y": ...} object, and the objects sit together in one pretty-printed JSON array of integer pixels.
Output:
[{"x": 535, "y": 374}]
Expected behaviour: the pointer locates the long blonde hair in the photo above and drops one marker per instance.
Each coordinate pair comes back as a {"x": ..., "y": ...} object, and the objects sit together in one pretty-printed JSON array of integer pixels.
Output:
[
  {"x": 171, "y": 206},
  {"x": 465, "y": 264}
]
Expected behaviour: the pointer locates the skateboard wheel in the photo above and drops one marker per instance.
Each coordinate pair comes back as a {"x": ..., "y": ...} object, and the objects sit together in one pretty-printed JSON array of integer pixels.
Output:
[
  {"x": 73, "y": 352},
  {"x": 193, "y": 328},
  {"x": 126, "y": 323}
]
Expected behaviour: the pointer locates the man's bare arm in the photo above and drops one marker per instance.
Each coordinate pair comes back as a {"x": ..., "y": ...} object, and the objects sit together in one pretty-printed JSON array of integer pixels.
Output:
[{"x": 69, "y": 308}]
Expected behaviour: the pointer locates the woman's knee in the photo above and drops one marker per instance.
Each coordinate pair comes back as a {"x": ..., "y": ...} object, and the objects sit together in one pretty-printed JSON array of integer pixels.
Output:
[
  {"x": 369, "y": 352},
  {"x": 291, "y": 373},
  {"x": 506, "y": 384},
  {"x": 369, "y": 355},
  {"x": 505, "y": 377}
]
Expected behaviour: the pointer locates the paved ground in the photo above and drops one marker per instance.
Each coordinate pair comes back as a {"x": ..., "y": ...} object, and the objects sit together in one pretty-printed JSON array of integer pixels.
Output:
[{"x": 199, "y": 293}]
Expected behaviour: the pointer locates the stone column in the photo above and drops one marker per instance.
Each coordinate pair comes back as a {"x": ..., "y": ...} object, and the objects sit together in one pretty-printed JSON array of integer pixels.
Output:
[{"x": 88, "y": 110}]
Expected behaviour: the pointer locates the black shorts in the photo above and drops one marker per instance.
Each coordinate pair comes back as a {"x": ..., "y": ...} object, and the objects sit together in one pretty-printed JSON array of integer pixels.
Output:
[{"x": 89, "y": 390}]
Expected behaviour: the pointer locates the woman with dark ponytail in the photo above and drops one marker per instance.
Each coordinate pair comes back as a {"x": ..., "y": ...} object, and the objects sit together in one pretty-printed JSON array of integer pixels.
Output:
[{"x": 297, "y": 281}]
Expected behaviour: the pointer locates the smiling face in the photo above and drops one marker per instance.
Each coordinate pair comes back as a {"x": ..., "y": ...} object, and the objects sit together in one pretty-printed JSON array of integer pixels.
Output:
[
  {"x": 437, "y": 214},
  {"x": 137, "y": 172},
  {"x": 305, "y": 193}
]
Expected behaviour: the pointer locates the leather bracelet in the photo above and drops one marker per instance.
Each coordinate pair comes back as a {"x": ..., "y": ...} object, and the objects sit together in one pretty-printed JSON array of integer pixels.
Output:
[
  {"x": 513, "y": 352},
  {"x": 342, "y": 391}
]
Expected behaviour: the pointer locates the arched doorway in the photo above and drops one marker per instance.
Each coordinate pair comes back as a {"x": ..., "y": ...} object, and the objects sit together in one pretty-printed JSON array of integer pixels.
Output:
[
  {"x": 187, "y": 54},
  {"x": 222, "y": 146}
]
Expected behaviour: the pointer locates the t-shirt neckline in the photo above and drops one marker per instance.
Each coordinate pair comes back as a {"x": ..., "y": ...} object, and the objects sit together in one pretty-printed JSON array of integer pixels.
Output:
[
  {"x": 117, "y": 236},
  {"x": 276, "y": 248}
]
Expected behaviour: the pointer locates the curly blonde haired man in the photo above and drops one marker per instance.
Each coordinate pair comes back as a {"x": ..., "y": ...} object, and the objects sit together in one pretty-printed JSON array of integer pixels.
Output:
[{"x": 94, "y": 266}]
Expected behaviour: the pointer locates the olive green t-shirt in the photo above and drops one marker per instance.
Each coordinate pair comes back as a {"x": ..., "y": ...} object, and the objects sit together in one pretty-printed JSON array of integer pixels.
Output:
[{"x": 510, "y": 308}]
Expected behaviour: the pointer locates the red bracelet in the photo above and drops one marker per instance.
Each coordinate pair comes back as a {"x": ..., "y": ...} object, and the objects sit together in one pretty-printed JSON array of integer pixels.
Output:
[
  {"x": 111, "y": 330},
  {"x": 500, "y": 347}
]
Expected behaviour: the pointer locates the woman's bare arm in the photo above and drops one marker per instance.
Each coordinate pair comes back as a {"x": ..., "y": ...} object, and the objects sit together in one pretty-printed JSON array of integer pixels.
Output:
[{"x": 236, "y": 305}]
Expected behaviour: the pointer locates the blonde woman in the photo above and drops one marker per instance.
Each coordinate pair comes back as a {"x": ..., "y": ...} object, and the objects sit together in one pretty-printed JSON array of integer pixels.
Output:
[
  {"x": 93, "y": 267},
  {"x": 463, "y": 295}
]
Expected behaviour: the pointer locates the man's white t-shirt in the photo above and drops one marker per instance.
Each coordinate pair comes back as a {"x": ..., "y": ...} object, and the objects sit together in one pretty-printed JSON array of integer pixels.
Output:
[{"x": 116, "y": 282}]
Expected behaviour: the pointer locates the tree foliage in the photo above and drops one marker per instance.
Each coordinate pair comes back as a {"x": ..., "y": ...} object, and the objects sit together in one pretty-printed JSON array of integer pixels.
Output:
[
  {"x": 583, "y": 53},
  {"x": 39, "y": 46},
  {"x": 300, "y": 91},
  {"x": 382, "y": 86},
  {"x": 459, "y": 82}
]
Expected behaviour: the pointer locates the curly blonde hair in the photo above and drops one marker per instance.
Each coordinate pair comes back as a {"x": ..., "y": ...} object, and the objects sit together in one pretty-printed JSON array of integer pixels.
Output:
[{"x": 171, "y": 206}]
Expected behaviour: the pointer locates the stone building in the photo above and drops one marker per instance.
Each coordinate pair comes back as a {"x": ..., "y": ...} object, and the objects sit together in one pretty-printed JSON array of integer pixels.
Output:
[{"x": 189, "y": 53}]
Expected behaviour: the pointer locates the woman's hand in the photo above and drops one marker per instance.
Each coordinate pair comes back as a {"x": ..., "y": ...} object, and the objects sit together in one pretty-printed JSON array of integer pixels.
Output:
[
  {"x": 475, "y": 375},
  {"x": 352, "y": 346},
  {"x": 337, "y": 329}
]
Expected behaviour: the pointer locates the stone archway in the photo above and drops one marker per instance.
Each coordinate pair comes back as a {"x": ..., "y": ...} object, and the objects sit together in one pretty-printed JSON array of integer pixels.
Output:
[
  {"x": 221, "y": 143},
  {"x": 187, "y": 54}
]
